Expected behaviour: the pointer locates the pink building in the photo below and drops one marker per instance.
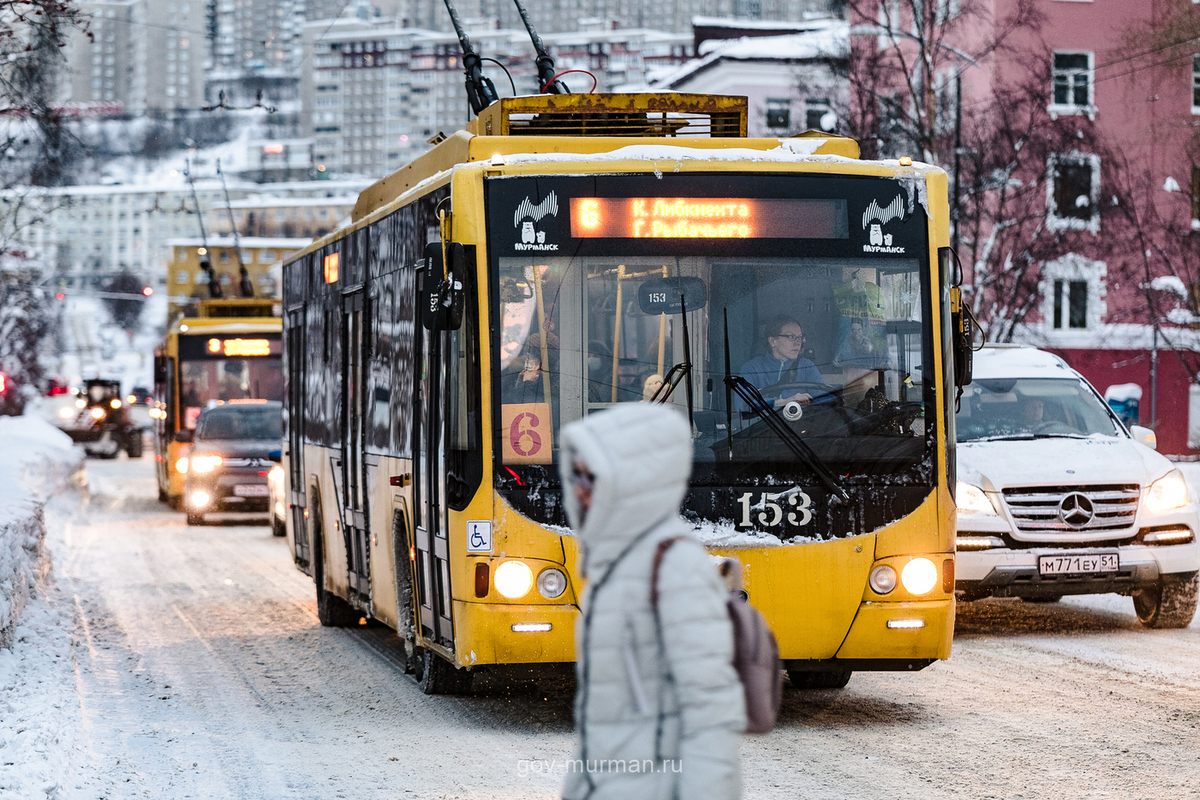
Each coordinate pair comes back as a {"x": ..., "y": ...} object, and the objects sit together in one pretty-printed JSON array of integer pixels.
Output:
[{"x": 1103, "y": 265}]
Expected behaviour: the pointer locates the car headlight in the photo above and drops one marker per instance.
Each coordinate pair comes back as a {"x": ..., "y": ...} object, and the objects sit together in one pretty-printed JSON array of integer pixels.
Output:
[
  {"x": 972, "y": 500},
  {"x": 97, "y": 413},
  {"x": 919, "y": 576},
  {"x": 1168, "y": 492},
  {"x": 203, "y": 464},
  {"x": 66, "y": 413},
  {"x": 514, "y": 579}
]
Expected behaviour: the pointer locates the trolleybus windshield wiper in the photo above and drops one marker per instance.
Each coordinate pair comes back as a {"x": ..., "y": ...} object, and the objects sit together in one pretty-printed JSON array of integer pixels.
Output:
[{"x": 736, "y": 384}]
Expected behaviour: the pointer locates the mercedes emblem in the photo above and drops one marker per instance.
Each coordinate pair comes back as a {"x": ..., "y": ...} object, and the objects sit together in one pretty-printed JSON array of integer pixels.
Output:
[{"x": 1076, "y": 510}]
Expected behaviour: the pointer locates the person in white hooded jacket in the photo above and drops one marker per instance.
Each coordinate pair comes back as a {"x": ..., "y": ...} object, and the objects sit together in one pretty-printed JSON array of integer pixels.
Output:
[{"x": 659, "y": 710}]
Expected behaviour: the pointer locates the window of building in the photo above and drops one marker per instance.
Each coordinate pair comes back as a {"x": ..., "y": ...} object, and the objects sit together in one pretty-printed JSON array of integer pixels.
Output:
[
  {"x": 1070, "y": 304},
  {"x": 1196, "y": 84},
  {"x": 1073, "y": 294},
  {"x": 815, "y": 111},
  {"x": 1073, "y": 191},
  {"x": 779, "y": 113},
  {"x": 1072, "y": 81}
]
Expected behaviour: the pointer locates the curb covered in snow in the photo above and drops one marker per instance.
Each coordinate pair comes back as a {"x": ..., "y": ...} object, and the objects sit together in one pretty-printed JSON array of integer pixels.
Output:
[{"x": 36, "y": 461}]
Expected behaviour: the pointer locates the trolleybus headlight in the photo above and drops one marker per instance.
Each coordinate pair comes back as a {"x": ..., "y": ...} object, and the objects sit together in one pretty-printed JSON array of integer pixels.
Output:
[
  {"x": 972, "y": 500},
  {"x": 200, "y": 498},
  {"x": 1168, "y": 492},
  {"x": 551, "y": 583},
  {"x": 514, "y": 579},
  {"x": 181, "y": 465},
  {"x": 883, "y": 579},
  {"x": 919, "y": 576},
  {"x": 115, "y": 403},
  {"x": 203, "y": 464}
]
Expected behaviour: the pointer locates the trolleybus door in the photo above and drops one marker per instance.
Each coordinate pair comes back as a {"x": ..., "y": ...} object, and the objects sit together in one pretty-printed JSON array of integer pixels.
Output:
[
  {"x": 432, "y": 565},
  {"x": 297, "y": 390},
  {"x": 354, "y": 484}
]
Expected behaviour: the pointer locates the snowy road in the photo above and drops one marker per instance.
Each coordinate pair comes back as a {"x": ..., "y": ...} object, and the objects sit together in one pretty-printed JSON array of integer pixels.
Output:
[{"x": 200, "y": 670}]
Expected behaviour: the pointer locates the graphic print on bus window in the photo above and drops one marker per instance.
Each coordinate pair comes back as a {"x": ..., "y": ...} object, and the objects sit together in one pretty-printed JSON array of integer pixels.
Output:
[
  {"x": 528, "y": 219},
  {"x": 875, "y": 218}
]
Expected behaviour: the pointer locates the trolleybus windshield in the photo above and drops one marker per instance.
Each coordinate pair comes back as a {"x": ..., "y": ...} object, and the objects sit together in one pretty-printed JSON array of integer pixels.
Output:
[
  {"x": 823, "y": 294},
  {"x": 227, "y": 367}
]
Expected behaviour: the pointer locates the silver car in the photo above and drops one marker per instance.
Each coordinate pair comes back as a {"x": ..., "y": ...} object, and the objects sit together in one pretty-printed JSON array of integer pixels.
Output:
[{"x": 1056, "y": 497}]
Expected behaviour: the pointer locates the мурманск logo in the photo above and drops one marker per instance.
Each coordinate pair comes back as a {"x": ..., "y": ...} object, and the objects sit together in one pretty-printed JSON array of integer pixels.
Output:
[
  {"x": 526, "y": 218},
  {"x": 874, "y": 218}
]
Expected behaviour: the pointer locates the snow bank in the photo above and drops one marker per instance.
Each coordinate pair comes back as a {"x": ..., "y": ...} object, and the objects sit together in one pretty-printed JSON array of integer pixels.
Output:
[{"x": 36, "y": 460}]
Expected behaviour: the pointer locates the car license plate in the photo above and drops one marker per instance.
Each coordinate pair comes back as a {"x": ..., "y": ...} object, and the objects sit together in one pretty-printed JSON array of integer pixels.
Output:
[
  {"x": 250, "y": 490},
  {"x": 1078, "y": 563}
]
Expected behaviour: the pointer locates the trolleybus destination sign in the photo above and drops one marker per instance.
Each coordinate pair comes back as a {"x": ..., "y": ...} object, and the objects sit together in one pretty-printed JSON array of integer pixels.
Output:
[{"x": 707, "y": 218}]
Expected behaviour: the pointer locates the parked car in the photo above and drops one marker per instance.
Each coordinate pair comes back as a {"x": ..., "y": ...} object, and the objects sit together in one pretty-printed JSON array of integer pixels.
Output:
[
  {"x": 230, "y": 457},
  {"x": 100, "y": 421},
  {"x": 276, "y": 498},
  {"x": 1057, "y": 497}
]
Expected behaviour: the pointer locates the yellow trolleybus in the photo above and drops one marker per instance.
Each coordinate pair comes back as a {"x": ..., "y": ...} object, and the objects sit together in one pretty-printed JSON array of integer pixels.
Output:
[
  {"x": 230, "y": 351},
  {"x": 570, "y": 252}
]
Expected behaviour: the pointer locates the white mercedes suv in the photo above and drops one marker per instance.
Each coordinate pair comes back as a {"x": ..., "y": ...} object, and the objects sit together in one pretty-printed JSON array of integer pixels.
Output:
[{"x": 1056, "y": 497}]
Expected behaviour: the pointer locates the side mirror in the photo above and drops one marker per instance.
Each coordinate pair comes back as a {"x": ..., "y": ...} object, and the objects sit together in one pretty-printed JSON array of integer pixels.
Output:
[
  {"x": 185, "y": 436},
  {"x": 1144, "y": 435},
  {"x": 276, "y": 456},
  {"x": 963, "y": 334},
  {"x": 442, "y": 292}
]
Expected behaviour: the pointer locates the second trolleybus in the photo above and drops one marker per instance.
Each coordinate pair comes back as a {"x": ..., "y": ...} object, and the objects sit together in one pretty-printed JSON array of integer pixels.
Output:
[
  {"x": 567, "y": 253},
  {"x": 230, "y": 350}
]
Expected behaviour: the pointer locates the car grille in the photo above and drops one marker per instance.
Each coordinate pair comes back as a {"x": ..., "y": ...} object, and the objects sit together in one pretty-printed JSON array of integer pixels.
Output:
[
  {"x": 241, "y": 463},
  {"x": 1073, "y": 508}
]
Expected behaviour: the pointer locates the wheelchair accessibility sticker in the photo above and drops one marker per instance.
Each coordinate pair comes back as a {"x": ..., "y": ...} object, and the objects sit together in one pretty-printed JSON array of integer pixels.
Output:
[{"x": 479, "y": 537}]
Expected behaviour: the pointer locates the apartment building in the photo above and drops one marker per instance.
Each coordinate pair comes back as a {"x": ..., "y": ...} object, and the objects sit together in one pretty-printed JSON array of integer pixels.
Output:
[
  {"x": 376, "y": 93},
  {"x": 187, "y": 281},
  {"x": 142, "y": 56},
  {"x": 269, "y": 216}
]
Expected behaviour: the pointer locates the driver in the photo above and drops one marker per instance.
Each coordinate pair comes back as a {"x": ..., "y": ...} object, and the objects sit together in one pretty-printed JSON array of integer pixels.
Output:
[
  {"x": 783, "y": 364},
  {"x": 1033, "y": 412}
]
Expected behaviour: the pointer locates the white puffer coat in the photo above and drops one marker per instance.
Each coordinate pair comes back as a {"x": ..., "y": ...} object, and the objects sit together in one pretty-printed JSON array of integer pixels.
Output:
[{"x": 656, "y": 718}]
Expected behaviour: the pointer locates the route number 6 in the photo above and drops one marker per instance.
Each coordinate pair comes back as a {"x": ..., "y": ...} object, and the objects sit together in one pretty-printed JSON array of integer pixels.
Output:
[{"x": 772, "y": 505}]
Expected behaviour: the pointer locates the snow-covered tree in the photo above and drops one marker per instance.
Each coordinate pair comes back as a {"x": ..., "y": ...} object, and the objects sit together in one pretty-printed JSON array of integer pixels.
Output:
[{"x": 25, "y": 325}]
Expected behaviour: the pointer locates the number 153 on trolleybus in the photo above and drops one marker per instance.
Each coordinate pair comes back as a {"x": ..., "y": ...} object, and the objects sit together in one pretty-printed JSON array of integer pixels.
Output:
[{"x": 794, "y": 302}]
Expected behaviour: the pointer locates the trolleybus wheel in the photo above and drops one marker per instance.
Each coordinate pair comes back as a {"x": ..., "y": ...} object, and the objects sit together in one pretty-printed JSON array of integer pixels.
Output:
[
  {"x": 1167, "y": 604},
  {"x": 802, "y": 679},
  {"x": 435, "y": 675},
  {"x": 162, "y": 496},
  {"x": 175, "y": 502},
  {"x": 133, "y": 447}
]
